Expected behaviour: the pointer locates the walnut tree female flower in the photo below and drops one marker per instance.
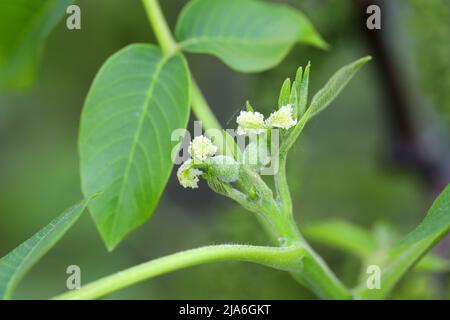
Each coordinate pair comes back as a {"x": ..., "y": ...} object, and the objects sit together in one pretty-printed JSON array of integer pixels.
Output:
[
  {"x": 201, "y": 148},
  {"x": 282, "y": 118},
  {"x": 250, "y": 122},
  {"x": 188, "y": 175}
]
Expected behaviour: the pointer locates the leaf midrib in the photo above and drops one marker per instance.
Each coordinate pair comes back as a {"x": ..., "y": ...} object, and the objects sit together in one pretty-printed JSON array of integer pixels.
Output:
[{"x": 249, "y": 41}]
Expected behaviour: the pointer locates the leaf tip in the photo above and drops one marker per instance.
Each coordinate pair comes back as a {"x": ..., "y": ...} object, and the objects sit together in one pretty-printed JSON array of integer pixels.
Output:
[
  {"x": 248, "y": 106},
  {"x": 322, "y": 44},
  {"x": 364, "y": 60},
  {"x": 110, "y": 243},
  {"x": 299, "y": 75},
  {"x": 110, "y": 247}
]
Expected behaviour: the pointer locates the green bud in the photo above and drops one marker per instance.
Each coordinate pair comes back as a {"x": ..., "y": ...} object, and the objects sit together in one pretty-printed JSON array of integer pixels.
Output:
[{"x": 225, "y": 168}]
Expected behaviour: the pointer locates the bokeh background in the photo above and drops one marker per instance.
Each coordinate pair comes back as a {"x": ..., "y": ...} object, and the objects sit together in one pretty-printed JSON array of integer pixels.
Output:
[{"x": 378, "y": 156}]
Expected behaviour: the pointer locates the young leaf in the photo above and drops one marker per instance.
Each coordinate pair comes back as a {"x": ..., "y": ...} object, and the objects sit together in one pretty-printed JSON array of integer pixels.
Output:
[
  {"x": 298, "y": 78},
  {"x": 293, "y": 99},
  {"x": 321, "y": 100},
  {"x": 136, "y": 101},
  {"x": 24, "y": 25},
  {"x": 18, "y": 262},
  {"x": 413, "y": 247},
  {"x": 342, "y": 235},
  {"x": 247, "y": 35},
  {"x": 284, "y": 93},
  {"x": 334, "y": 86},
  {"x": 303, "y": 91},
  {"x": 296, "y": 88}
]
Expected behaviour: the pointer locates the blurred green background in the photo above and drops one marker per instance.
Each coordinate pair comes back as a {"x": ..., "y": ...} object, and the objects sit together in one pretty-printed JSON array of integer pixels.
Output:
[{"x": 379, "y": 155}]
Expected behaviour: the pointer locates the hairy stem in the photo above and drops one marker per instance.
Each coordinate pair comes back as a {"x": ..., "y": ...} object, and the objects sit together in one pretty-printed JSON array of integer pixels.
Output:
[
  {"x": 318, "y": 277},
  {"x": 201, "y": 108},
  {"x": 314, "y": 273},
  {"x": 286, "y": 258}
]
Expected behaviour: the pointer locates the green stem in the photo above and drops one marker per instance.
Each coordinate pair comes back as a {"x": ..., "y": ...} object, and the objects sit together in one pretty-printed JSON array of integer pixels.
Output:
[
  {"x": 315, "y": 273},
  {"x": 287, "y": 258},
  {"x": 318, "y": 277},
  {"x": 294, "y": 134},
  {"x": 201, "y": 108},
  {"x": 159, "y": 26},
  {"x": 162, "y": 32}
]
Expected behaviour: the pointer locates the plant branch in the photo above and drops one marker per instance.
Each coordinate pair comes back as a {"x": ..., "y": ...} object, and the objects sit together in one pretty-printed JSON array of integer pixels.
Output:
[
  {"x": 201, "y": 108},
  {"x": 286, "y": 258},
  {"x": 290, "y": 139},
  {"x": 159, "y": 26},
  {"x": 318, "y": 277},
  {"x": 311, "y": 272}
]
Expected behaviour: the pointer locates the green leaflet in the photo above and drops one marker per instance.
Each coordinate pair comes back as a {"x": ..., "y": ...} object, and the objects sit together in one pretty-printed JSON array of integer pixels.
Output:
[
  {"x": 247, "y": 35},
  {"x": 303, "y": 89},
  {"x": 138, "y": 98},
  {"x": 24, "y": 25},
  {"x": 321, "y": 100},
  {"x": 335, "y": 85},
  {"x": 414, "y": 246},
  {"x": 18, "y": 262}
]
